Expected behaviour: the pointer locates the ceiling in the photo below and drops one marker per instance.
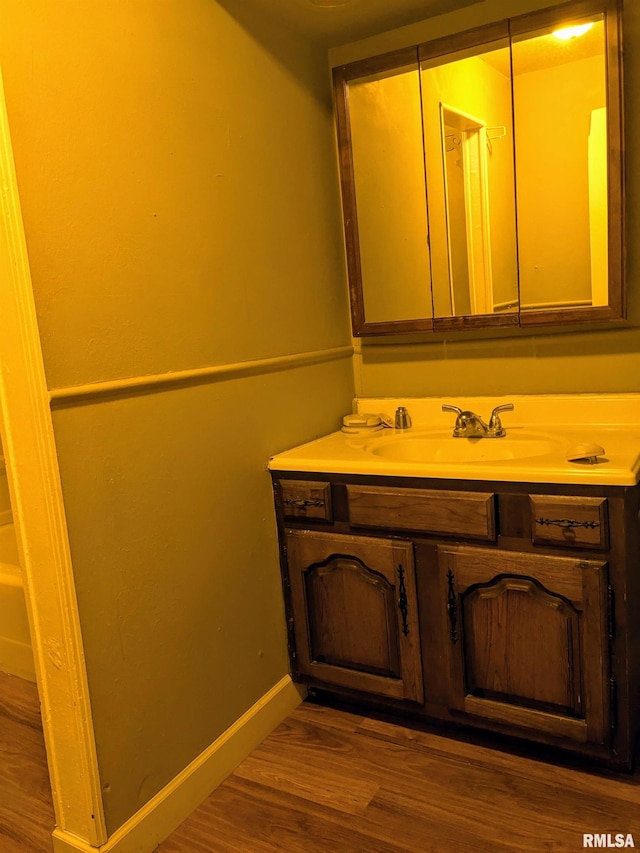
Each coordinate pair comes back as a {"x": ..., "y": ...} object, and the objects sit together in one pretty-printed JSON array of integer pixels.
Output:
[
  {"x": 545, "y": 51},
  {"x": 332, "y": 25}
]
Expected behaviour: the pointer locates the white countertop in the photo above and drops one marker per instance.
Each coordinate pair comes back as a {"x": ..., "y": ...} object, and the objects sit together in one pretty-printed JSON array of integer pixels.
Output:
[{"x": 551, "y": 425}]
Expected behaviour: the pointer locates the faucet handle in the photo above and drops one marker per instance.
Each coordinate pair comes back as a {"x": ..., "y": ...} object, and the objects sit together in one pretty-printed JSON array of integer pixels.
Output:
[
  {"x": 494, "y": 420},
  {"x": 462, "y": 419}
]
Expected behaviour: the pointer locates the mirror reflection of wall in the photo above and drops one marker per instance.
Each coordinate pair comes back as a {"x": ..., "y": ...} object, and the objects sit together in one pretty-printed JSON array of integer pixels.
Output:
[
  {"x": 560, "y": 101},
  {"x": 388, "y": 168},
  {"x": 470, "y": 184}
]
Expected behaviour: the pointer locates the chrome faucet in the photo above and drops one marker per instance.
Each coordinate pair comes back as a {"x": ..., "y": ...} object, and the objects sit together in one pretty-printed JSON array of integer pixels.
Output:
[{"x": 470, "y": 425}]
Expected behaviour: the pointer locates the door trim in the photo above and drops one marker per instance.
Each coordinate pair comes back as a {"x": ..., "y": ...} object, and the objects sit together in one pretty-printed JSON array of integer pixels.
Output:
[{"x": 41, "y": 528}]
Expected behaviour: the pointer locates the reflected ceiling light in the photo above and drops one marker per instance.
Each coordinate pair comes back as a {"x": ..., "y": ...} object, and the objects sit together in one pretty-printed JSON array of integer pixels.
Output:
[
  {"x": 572, "y": 32},
  {"x": 329, "y": 2}
]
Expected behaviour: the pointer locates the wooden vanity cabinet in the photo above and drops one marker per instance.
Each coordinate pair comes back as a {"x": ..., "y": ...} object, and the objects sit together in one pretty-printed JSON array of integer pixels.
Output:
[{"x": 502, "y": 606}]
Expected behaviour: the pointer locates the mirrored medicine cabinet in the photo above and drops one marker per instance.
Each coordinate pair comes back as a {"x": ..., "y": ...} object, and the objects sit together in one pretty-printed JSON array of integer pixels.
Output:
[{"x": 482, "y": 176}]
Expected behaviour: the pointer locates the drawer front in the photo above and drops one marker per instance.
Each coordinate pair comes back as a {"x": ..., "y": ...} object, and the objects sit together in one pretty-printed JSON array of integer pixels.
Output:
[
  {"x": 573, "y": 522},
  {"x": 467, "y": 514},
  {"x": 302, "y": 499}
]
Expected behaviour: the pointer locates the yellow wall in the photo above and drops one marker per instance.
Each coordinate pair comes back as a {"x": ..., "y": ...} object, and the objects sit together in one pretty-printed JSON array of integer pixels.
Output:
[
  {"x": 519, "y": 362},
  {"x": 178, "y": 187},
  {"x": 552, "y": 169},
  {"x": 388, "y": 166}
]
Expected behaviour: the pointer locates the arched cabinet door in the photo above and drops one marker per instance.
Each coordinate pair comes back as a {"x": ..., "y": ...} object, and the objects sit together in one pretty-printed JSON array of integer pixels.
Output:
[
  {"x": 527, "y": 641},
  {"x": 355, "y": 612}
]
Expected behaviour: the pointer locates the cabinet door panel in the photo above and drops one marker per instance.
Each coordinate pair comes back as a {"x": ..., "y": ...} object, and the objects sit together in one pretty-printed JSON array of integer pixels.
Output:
[
  {"x": 369, "y": 599},
  {"x": 505, "y": 664},
  {"x": 527, "y": 640},
  {"x": 355, "y": 612}
]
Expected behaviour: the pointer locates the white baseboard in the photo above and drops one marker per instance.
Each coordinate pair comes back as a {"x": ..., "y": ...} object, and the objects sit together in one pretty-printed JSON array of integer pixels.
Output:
[{"x": 164, "y": 813}]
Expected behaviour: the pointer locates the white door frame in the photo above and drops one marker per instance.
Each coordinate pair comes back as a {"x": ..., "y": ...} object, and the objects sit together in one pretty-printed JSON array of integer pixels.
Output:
[
  {"x": 41, "y": 530},
  {"x": 477, "y": 216}
]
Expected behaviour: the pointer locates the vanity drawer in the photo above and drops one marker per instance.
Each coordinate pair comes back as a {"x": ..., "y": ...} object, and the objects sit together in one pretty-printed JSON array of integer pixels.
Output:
[
  {"x": 306, "y": 499},
  {"x": 467, "y": 514},
  {"x": 575, "y": 522}
]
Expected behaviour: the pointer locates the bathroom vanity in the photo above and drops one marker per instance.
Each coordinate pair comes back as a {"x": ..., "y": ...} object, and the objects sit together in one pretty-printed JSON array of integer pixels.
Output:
[
  {"x": 479, "y": 582},
  {"x": 484, "y": 579}
]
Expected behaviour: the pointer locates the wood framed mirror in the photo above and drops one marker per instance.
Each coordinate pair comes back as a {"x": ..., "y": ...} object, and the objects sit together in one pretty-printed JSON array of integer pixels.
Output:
[{"x": 482, "y": 176}]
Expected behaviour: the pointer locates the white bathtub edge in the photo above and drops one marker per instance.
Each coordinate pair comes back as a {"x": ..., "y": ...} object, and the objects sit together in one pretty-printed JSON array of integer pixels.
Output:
[{"x": 17, "y": 659}]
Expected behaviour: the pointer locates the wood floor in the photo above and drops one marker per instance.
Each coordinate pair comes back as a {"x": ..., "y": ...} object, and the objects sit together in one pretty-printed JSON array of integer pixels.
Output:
[
  {"x": 332, "y": 781},
  {"x": 327, "y": 781},
  {"x": 26, "y": 809}
]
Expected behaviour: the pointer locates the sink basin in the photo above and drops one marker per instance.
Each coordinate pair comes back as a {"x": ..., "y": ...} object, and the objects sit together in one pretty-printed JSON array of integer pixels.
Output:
[
  {"x": 442, "y": 447},
  {"x": 547, "y": 441}
]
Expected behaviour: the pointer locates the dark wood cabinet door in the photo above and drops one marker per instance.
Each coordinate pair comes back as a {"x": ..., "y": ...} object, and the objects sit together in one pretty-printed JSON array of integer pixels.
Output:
[
  {"x": 355, "y": 612},
  {"x": 528, "y": 641}
]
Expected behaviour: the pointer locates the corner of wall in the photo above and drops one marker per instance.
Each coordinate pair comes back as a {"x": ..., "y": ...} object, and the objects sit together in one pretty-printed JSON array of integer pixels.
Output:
[{"x": 174, "y": 803}]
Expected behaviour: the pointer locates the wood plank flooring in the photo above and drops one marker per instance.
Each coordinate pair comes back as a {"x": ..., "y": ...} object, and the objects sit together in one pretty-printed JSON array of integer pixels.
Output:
[
  {"x": 334, "y": 781},
  {"x": 26, "y": 808},
  {"x": 331, "y": 781}
]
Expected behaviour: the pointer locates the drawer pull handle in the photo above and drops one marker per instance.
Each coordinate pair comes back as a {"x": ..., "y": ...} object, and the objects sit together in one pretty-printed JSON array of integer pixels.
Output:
[
  {"x": 403, "y": 603},
  {"x": 303, "y": 503},
  {"x": 452, "y": 609},
  {"x": 568, "y": 523}
]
